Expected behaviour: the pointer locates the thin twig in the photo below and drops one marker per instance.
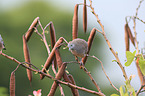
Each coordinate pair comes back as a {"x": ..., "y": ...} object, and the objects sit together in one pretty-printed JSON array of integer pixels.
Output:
[
  {"x": 47, "y": 25},
  {"x": 107, "y": 41},
  {"x": 36, "y": 30},
  {"x": 139, "y": 91},
  {"x": 134, "y": 26},
  {"x": 44, "y": 37},
  {"x": 136, "y": 43},
  {"x": 140, "y": 20},
  {"x": 92, "y": 79},
  {"x": 99, "y": 31},
  {"x": 138, "y": 8},
  {"x": 105, "y": 72},
  {"x": 61, "y": 90}
]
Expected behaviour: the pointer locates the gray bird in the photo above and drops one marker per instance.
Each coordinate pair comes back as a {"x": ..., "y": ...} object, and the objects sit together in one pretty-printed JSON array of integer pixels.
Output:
[
  {"x": 78, "y": 47},
  {"x": 2, "y": 46}
]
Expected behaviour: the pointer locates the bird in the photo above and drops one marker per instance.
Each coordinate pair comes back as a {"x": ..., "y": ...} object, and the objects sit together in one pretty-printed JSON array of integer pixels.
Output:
[
  {"x": 2, "y": 46},
  {"x": 78, "y": 47}
]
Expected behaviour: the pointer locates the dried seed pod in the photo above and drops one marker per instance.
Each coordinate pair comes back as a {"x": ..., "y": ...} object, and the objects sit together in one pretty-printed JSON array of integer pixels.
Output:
[
  {"x": 51, "y": 57},
  {"x": 65, "y": 76},
  {"x": 12, "y": 84},
  {"x": 130, "y": 34},
  {"x": 126, "y": 37},
  {"x": 58, "y": 76},
  {"x": 53, "y": 40},
  {"x": 85, "y": 17},
  {"x": 91, "y": 38},
  {"x": 52, "y": 34},
  {"x": 27, "y": 58},
  {"x": 74, "y": 91},
  {"x": 31, "y": 29},
  {"x": 75, "y": 23},
  {"x": 90, "y": 41},
  {"x": 72, "y": 79}
]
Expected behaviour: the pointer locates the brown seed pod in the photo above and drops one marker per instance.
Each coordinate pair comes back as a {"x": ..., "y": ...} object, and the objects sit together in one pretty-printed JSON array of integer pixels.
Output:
[
  {"x": 75, "y": 23},
  {"x": 126, "y": 37},
  {"x": 51, "y": 57},
  {"x": 31, "y": 29},
  {"x": 12, "y": 84},
  {"x": 52, "y": 34},
  {"x": 27, "y": 58},
  {"x": 65, "y": 76},
  {"x": 130, "y": 34},
  {"x": 74, "y": 91},
  {"x": 90, "y": 41},
  {"x": 53, "y": 40},
  {"x": 58, "y": 76},
  {"x": 85, "y": 17},
  {"x": 72, "y": 79}
]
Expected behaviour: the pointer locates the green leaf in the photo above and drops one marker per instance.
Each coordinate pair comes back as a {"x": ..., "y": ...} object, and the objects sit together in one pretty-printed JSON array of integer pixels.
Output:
[
  {"x": 142, "y": 65},
  {"x": 130, "y": 56},
  {"x": 114, "y": 60},
  {"x": 114, "y": 95},
  {"x": 121, "y": 91},
  {"x": 134, "y": 94},
  {"x": 128, "y": 87}
]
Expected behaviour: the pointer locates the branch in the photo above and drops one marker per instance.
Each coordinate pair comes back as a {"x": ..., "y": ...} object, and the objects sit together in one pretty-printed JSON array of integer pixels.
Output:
[
  {"x": 136, "y": 43},
  {"x": 139, "y": 91},
  {"x": 43, "y": 36},
  {"x": 107, "y": 41},
  {"x": 51, "y": 77},
  {"x": 58, "y": 77},
  {"x": 92, "y": 79},
  {"x": 105, "y": 72}
]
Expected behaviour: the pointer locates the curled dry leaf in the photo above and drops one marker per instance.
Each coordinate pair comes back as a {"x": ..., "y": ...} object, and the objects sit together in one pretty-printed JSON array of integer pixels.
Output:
[
  {"x": 27, "y": 58},
  {"x": 75, "y": 23},
  {"x": 126, "y": 38},
  {"x": 31, "y": 29},
  {"x": 12, "y": 84},
  {"x": 85, "y": 17}
]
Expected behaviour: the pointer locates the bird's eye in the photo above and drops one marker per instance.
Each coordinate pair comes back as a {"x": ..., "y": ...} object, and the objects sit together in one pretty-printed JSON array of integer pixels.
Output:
[{"x": 71, "y": 45}]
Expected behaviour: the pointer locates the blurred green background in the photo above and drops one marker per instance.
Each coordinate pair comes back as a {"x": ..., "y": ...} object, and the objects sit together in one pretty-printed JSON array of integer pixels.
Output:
[{"x": 15, "y": 22}]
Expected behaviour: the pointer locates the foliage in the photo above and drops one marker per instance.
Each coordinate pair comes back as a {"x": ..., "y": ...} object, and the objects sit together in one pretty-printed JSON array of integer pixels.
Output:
[{"x": 130, "y": 57}]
